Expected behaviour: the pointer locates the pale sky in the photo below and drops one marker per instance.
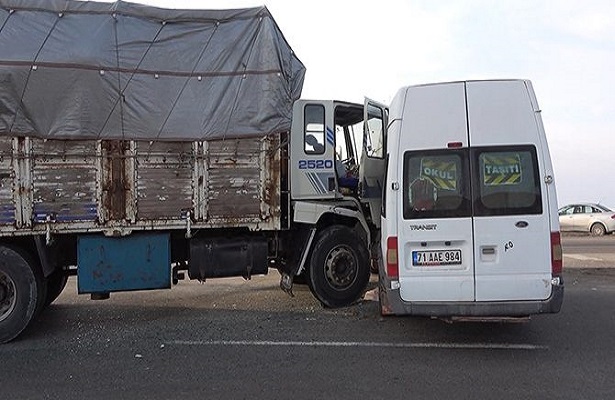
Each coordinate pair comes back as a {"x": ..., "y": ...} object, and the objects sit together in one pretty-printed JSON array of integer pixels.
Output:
[{"x": 354, "y": 49}]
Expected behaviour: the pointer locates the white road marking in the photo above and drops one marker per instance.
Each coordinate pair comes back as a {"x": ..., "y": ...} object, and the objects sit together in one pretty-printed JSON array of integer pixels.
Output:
[
  {"x": 426, "y": 345},
  {"x": 582, "y": 257}
]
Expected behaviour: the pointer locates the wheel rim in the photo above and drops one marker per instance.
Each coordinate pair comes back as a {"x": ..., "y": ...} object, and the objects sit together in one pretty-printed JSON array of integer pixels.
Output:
[
  {"x": 597, "y": 230},
  {"x": 8, "y": 299},
  {"x": 341, "y": 267}
]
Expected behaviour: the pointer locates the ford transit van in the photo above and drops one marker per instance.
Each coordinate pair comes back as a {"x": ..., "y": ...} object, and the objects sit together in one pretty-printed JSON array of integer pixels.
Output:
[{"x": 469, "y": 217}]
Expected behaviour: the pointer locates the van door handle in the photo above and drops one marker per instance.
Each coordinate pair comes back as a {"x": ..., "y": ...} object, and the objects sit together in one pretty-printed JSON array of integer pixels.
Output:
[
  {"x": 488, "y": 251},
  {"x": 521, "y": 224}
]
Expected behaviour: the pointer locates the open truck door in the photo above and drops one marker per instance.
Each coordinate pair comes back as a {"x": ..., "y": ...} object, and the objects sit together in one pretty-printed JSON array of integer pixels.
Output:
[{"x": 373, "y": 156}]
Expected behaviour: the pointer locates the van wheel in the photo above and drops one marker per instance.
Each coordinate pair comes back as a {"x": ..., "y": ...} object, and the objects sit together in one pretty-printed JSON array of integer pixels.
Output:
[
  {"x": 339, "y": 267},
  {"x": 597, "y": 229},
  {"x": 21, "y": 286}
]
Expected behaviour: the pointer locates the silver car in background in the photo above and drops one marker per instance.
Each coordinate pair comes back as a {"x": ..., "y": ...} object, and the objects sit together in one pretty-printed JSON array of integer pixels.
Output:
[{"x": 587, "y": 217}]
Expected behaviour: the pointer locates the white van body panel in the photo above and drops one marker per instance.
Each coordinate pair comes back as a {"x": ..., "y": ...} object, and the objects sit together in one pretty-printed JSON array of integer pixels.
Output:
[
  {"x": 520, "y": 269},
  {"x": 551, "y": 192},
  {"x": 501, "y": 114},
  {"x": 433, "y": 116},
  {"x": 504, "y": 259},
  {"x": 436, "y": 283}
]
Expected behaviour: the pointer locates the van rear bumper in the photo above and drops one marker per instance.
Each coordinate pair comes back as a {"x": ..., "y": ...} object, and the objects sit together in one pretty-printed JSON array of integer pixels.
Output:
[{"x": 391, "y": 303}]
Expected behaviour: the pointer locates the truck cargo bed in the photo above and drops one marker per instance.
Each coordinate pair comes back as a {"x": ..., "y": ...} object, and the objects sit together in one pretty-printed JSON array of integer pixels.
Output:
[{"x": 119, "y": 186}]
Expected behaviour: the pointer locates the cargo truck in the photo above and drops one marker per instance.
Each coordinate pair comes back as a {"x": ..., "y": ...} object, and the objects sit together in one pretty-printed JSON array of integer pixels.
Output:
[{"x": 138, "y": 144}]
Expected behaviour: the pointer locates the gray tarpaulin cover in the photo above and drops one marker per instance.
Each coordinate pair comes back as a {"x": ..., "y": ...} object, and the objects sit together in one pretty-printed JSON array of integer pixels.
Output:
[{"x": 93, "y": 70}]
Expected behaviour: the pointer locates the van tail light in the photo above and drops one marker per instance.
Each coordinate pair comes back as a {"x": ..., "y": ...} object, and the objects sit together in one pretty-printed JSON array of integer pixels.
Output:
[
  {"x": 392, "y": 260},
  {"x": 556, "y": 254},
  {"x": 613, "y": 216}
]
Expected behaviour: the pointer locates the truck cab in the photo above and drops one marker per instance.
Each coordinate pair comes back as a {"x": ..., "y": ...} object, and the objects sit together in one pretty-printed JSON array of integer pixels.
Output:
[
  {"x": 325, "y": 140},
  {"x": 336, "y": 168},
  {"x": 337, "y": 150}
]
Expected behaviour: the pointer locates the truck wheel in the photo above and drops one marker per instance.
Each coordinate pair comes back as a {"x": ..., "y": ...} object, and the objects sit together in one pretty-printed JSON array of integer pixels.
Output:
[
  {"x": 339, "y": 267},
  {"x": 597, "y": 229},
  {"x": 20, "y": 290},
  {"x": 56, "y": 282}
]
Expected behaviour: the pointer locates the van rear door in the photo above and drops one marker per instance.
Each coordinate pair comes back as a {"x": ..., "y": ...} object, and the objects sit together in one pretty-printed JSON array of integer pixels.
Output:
[
  {"x": 511, "y": 227},
  {"x": 474, "y": 204},
  {"x": 436, "y": 256}
]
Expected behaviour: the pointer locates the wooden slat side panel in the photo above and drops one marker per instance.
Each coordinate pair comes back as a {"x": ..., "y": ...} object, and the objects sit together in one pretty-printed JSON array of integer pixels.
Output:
[
  {"x": 225, "y": 183},
  {"x": 64, "y": 180},
  {"x": 234, "y": 194},
  {"x": 234, "y": 180},
  {"x": 7, "y": 203},
  {"x": 164, "y": 179}
]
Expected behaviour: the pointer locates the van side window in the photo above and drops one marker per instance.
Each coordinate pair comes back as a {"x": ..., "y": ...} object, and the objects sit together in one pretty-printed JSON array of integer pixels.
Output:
[
  {"x": 436, "y": 184},
  {"x": 314, "y": 129},
  {"x": 507, "y": 181}
]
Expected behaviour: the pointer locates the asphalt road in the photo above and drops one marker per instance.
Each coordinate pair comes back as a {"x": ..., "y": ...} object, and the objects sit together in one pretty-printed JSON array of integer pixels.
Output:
[
  {"x": 583, "y": 251},
  {"x": 230, "y": 339}
]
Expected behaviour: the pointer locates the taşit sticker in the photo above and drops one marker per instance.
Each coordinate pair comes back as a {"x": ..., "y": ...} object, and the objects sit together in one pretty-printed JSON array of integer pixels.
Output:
[{"x": 501, "y": 169}]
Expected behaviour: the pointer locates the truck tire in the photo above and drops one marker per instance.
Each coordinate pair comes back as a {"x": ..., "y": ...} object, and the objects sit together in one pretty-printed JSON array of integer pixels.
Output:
[
  {"x": 339, "y": 267},
  {"x": 21, "y": 286}
]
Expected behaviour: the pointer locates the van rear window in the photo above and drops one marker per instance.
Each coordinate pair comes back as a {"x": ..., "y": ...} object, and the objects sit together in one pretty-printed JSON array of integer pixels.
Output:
[
  {"x": 482, "y": 181},
  {"x": 507, "y": 181},
  {"x": 436, "y": 184}
]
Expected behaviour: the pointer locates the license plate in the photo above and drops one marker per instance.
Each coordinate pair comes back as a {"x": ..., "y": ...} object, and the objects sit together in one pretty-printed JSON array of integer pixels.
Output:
[{"x": 436, "y": 257}]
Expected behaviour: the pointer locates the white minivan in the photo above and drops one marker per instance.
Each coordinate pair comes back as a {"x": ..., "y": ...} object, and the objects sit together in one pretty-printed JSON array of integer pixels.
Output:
[{"x": 469, "y": 217}]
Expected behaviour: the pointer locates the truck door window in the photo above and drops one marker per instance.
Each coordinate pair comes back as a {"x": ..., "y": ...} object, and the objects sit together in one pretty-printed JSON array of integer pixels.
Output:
[
  {"x": 314, "y": 129},
  {"x": 436, "y": 184},
  {"x": 373, "y": 140},
  {"x": 507, "y": 181}
]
